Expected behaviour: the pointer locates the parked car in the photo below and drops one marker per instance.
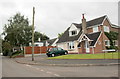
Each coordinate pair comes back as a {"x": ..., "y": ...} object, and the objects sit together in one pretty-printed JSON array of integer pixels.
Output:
[{"x": 56, "y": 51}]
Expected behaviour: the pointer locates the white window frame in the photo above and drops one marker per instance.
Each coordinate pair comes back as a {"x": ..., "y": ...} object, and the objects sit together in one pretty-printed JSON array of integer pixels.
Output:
[
  {"x": 71, "y": 45},
  {"x": 95, "y": 29},
  {"x": 70, "y": 32},
  {"x": 116, "y": 42},
  {"x": 108, "y": 42},
  {"x": 106, "y": 29}
]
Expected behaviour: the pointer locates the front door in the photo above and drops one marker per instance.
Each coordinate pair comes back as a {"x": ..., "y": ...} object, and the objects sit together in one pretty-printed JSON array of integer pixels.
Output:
[{"x": 87, "y": 47}]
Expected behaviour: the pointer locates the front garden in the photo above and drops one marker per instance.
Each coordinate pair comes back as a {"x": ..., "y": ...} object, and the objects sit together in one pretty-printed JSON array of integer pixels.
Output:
[{"x": 113, "y": 55}]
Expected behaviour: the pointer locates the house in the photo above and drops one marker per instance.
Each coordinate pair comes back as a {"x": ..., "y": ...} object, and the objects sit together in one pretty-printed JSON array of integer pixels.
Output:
[
  {"x": 38, "y": 44},
  {"x": 51, "y": 42},
  {"x": 87, "y": 37}
]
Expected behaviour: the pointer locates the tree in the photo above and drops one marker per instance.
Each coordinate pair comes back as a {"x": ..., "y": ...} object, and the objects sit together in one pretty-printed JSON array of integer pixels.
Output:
[
  {"x": 7, "y": 48},
  {"x": 112, "y": 36},
  {"x": 0, "y": 44},
  {"x": 18, "y": 31},
  {"x": 60, "y": 34},
  {"x": 41, "y": 36}
]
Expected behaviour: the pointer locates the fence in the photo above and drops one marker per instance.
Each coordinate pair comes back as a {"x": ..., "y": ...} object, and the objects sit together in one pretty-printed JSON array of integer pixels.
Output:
[{"x": 37, "y": 49}]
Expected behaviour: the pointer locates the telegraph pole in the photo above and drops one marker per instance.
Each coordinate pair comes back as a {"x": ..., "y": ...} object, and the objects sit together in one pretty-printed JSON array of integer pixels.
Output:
[{"x": 33, "y": 34}]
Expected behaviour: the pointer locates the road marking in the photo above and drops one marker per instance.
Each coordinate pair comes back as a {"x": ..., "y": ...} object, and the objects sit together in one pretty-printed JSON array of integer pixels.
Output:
[
  {"x": 37, "y": 68},
  {"x": 48, "y": 72},
  {"x": 28, "y": 65},
  {"x": 41, "y": 70},
  {"x": 57, "y": 75}
]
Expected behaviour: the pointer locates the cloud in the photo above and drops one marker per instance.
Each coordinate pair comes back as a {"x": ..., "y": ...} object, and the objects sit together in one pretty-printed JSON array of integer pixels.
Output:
[{"x": 53, "y": 17}]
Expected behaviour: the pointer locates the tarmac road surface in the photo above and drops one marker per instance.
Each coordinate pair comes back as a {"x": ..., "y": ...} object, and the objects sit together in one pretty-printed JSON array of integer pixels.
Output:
[{"x": 10, "y": 68}]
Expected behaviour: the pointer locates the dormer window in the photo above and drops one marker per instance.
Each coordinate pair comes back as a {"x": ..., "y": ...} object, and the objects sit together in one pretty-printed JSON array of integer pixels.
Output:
[{"x": 74, "y": 32}]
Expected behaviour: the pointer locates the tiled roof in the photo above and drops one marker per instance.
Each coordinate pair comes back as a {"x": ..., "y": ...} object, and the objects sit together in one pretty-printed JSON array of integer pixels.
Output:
[
  {"x": 116, "y": 26},
  {"x": 92, "y": 22},
  {"x": 51, "y": 41},
  {"x": 65, "y": 37},
  {"x": 94, "y": 37}
]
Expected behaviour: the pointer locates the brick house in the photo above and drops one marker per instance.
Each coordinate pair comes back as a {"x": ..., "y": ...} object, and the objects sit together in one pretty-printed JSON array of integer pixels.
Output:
[{"x": 87, "y": 37}]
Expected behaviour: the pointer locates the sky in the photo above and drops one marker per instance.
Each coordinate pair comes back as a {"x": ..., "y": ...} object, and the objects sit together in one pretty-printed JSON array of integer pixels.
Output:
[{"x": 55, "y": 16}]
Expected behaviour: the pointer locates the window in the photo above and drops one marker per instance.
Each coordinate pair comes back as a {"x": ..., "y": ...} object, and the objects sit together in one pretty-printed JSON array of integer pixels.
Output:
[
  {"x": 106, "y": 29},
  {"x": 95, "y": 29},
  {"x": 79, "y": 45},
  {"x": 71, "y": 45},
  {"x": 50, "y": 49},
  {"x": 54, "y": 49},
  {"x": 73, "y": 33},
  {"x": 115, "y": 42},
  {"x": 107, "y": 43},
  {"x": 36, "y": 44},
  {"x": 60, "y": 49}
]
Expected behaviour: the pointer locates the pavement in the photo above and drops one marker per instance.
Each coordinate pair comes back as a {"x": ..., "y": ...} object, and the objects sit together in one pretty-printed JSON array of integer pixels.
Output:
[{"x": 42, "y": 60}]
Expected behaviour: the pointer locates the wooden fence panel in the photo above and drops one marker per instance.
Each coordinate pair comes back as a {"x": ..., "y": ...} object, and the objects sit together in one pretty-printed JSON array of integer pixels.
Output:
[{"x": 37, "y": 49}]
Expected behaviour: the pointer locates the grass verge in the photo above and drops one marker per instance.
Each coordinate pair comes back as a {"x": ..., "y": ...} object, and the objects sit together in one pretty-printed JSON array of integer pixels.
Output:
[{"x": 114, "y": 55}]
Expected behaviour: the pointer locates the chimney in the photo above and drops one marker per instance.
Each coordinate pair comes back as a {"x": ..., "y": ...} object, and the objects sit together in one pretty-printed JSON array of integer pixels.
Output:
[{"x": 84, "y": 28}]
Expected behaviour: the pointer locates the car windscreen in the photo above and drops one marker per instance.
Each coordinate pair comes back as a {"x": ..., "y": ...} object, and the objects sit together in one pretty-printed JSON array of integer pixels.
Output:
[
  {"x": 52, "y": 49},
  {"x": 60, "y": 49}
]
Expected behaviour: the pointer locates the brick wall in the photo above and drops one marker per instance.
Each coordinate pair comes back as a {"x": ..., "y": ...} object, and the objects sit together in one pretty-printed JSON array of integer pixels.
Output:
[
  {"x": 100, "y": 28},
  {"x": 100, "y": 45},
  {"x": 89, "y": 30},
  {"x": 106, "y": 23}
]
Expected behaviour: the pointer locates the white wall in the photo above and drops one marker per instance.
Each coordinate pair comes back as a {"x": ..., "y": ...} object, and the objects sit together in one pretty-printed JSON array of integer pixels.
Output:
[
  {"x": 37, "y": 43},
  {"x": 65, "y": 46}
]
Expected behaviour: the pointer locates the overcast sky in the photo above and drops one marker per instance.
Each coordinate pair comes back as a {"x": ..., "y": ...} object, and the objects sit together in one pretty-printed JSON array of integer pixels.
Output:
[{"x": 55, "y": 16}]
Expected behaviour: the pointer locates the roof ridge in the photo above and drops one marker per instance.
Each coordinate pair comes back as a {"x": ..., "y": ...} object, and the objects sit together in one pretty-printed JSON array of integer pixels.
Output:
[
  {"x": 91, "y": 20},
  {"x": 97, "y": 18}
]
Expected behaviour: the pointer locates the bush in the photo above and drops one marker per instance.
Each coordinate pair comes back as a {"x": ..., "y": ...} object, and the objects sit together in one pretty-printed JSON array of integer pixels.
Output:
[
  {"x": 7, "y": 49},
  {"x": 14, "y": 54}
]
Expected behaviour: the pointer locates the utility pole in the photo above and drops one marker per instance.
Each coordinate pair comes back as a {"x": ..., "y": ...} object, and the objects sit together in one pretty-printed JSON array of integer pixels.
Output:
[{"x": 33, "y": 34}]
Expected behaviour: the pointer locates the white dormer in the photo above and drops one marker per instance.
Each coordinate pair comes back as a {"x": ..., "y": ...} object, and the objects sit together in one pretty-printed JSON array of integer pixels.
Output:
[{"x": 73, "y": 30}]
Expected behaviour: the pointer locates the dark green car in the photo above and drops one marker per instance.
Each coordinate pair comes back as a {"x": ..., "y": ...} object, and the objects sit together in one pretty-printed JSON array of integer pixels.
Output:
[{"x": 56, "y": 52}]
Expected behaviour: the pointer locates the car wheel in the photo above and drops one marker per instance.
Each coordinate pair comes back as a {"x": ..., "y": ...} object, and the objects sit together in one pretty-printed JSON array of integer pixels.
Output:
[
  {"x": 53, "y": 55},
  {"x": 66, "y": 53},
  {"x": 48, "y": 55}
]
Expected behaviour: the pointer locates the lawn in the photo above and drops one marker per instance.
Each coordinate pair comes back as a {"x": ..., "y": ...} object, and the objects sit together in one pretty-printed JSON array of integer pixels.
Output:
[{"x": 113, "y": 55}]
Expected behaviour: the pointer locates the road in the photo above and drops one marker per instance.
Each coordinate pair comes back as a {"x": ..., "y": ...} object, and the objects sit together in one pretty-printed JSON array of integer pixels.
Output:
[{"x": 12, "y": 69}]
